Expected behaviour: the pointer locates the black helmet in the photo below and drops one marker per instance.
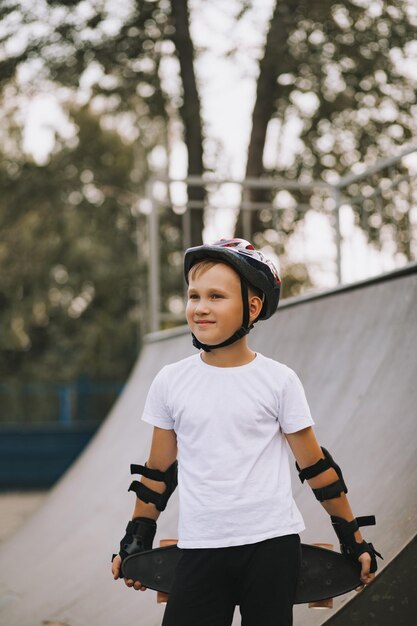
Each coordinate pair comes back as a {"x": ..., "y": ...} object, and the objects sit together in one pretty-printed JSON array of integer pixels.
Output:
[{"x": 253, "y": 268}]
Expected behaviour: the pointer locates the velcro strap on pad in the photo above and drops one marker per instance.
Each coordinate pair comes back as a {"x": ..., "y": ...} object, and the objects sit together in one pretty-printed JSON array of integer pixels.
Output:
[
  {"x": 152, "y": 474},
  {"x": 366, "y": 520},
  {"x": 314, "y": 470},
  {"x": 334, "y": 490},
  {"x": 147, "y": 472},
  {"x": 147, "y": 495},
  {"x": 345, "y": 530}
]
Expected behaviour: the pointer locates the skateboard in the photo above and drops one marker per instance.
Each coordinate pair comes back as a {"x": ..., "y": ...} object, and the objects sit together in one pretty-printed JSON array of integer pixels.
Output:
[{"x": 324, "y": 574}]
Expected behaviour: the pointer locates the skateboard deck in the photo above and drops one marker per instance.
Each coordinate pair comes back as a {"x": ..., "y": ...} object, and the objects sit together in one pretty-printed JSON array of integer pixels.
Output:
[{"x": 324, "y": 574}]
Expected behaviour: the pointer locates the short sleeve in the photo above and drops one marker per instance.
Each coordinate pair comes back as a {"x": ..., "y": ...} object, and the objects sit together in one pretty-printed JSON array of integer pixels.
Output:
[
  {"x": 294, "y": 410},
  {"x": 156, "y": 411}
]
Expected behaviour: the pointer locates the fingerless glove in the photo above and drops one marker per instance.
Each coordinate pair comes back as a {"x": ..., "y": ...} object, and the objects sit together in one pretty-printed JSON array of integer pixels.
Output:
[
  {"x": 348, "y": 544},
  {"x": 140, "y": 533}
]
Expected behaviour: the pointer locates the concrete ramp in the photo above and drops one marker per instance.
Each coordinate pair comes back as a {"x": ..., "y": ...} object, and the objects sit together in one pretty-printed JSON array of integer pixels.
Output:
[{"x": 355, "y": 351}]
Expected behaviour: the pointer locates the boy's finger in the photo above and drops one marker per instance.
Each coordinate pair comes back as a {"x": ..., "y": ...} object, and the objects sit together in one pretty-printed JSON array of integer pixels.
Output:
[
  {"x": 367, "y": 578},
  {"x": 115, "y": 568},
  {"x": 136, "y": 584},
  {"x": 365, "y": 561}
]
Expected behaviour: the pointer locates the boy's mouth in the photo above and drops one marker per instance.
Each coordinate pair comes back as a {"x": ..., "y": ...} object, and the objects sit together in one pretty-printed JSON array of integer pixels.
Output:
[{"x": 203, "y": 322}]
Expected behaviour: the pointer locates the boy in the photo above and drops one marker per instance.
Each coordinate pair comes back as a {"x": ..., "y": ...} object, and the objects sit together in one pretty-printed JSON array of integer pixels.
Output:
[{"x": 228, "y": 413}]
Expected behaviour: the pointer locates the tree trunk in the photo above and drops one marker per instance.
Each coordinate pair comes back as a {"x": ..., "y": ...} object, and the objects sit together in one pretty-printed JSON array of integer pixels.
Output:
[
  {"x": 190, "y": 112},
  {"x": 275, "y": 61}
]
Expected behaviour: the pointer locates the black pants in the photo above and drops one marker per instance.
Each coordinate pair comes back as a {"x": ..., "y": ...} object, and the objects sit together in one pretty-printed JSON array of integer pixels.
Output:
[{"x": 261, "y": 578}]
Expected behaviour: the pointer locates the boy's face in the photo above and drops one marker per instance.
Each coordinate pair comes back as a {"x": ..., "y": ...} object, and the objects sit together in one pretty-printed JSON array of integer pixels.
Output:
[{"x": 214, "y": 306}]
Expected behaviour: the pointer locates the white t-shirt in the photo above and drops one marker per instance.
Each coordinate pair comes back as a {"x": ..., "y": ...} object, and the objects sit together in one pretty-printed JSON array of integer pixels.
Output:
[{"x": 233, "y": 466}]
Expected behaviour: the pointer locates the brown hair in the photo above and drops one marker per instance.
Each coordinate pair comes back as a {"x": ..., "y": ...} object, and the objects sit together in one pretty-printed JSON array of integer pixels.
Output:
[
  {"x": 201, "y": 267},
  {"x": 206, "y": 264}
]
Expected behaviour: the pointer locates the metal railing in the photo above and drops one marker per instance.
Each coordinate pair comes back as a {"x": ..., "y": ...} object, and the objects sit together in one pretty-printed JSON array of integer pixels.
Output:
[
  {"x": 338, "y": 194},
  {"x": 79, "y": 401}
]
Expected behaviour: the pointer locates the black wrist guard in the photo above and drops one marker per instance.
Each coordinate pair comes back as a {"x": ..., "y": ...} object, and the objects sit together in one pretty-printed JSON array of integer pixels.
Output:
[
  {"x": 348, "y": 544},
  {"x": 139, "y": 536}
]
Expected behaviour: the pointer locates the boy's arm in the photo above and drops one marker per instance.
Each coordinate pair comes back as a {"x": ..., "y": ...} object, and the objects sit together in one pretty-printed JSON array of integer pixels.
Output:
[
  {"x": 307, "y": 452},
  {"x": 162, "y": 455}
]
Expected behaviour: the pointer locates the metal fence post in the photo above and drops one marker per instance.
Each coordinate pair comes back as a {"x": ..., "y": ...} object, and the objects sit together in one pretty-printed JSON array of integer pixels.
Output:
[
  {"x": 338, "y": 235},
  {"x": 65, "y": 404},
  {"x": 247, "y": 215},
  {"x": 153, "y": 238}
]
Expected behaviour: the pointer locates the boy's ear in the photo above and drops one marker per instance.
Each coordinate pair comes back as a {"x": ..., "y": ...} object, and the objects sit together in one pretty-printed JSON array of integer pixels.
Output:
[{"x": 255, "y": 307}]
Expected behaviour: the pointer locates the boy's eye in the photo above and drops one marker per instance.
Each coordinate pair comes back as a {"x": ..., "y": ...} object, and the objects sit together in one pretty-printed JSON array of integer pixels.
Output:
[{"x": 213, "y": 296}]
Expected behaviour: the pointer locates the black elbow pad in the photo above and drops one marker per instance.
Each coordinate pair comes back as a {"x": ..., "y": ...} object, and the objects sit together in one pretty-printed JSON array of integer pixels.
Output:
[
  {"x": 169, "y": 477},
  {"x": 333, "y": 490}
]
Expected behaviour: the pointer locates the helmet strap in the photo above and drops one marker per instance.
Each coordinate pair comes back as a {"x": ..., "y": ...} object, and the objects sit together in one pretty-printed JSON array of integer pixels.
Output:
[{"x": 243, "y": 330}]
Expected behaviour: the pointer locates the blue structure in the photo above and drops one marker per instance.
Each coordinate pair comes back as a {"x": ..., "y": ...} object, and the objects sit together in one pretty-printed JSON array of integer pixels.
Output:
[
  {"x": 45, "y": 426},
  {"x": 33, "y": 457}
]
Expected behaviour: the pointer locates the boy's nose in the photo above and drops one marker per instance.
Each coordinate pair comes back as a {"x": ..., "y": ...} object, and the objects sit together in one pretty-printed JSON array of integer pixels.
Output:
[{"x": 201, "y": 306}]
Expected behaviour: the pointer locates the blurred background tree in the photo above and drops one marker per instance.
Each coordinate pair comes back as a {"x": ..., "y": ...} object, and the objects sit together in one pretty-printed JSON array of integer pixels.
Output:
[
  {"x": 126, "y": 76},
  {"x": 74, "y": 252},
  {"x": 345, "y": 74},
  {"x": 69, "y": 284}
]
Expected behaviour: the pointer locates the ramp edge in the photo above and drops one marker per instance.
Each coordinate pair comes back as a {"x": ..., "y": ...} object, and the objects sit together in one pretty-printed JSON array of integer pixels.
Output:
[
  {"x": 411, "y": 268},
  {"x": 391, "y": 598}
]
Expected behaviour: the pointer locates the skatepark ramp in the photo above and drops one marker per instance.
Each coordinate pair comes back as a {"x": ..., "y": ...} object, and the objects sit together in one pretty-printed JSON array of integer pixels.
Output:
[{"x": 355, "y": 351}]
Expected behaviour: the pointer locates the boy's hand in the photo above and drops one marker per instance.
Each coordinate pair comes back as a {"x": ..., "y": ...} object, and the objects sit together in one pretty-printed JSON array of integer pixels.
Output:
[
  {"x": 366, "y": 576},
  {"x": 140, "y": 533},
  {"x": 116, "y": 566},
  {"x": 116, "y": 571}
]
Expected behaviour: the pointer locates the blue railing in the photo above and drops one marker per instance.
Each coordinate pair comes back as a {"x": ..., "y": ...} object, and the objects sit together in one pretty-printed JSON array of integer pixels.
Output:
[{"x": 82, "y": 400}]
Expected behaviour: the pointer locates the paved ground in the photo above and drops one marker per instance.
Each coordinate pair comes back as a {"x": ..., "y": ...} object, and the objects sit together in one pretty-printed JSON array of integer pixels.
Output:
[
  {"x": 15, "y": 508},
  {"x": 355, "y": 353}
]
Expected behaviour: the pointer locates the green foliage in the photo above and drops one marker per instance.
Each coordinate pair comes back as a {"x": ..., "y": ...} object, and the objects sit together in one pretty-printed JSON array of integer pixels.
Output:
[
  {"x": 73, "y": 250},
  {"x": 340, "y": 72},
  {"x": 70, "y": 278},
  {"x": 120, "y": 42},
  {"x": 296, "y": 280},
  {"x": 74, "y": 289},
  {"x": 347, "y": 59}
]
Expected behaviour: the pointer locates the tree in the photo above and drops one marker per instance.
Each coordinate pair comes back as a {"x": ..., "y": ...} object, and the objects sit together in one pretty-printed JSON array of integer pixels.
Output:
[
  {"x": 127, "y": 58},
  {"x": 70, "y": 286},
  {"x": 336, "y": 68},
  {"x": 77, "y": 282},
  {"x": 190, "y": 112}
]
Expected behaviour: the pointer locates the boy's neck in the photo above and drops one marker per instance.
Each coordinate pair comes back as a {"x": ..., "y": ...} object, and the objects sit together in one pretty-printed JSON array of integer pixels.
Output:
[{"x": 234, "y": 355}]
